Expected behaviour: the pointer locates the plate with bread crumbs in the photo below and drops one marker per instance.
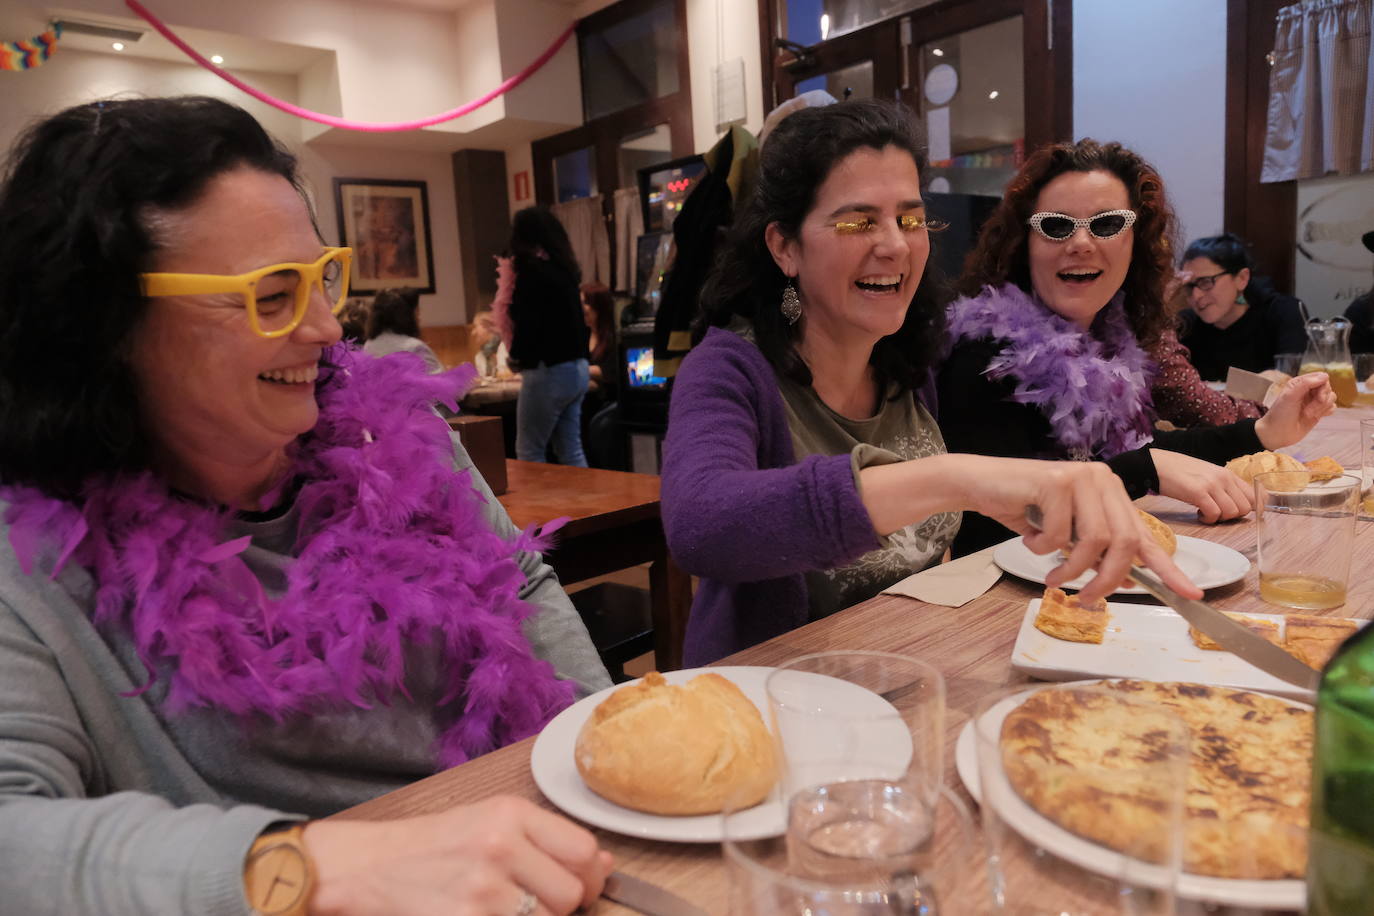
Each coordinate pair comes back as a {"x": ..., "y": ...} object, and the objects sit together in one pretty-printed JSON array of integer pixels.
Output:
[
  {"x": 1154, "y": 643},
  {"x": 1207, "y": 563}
]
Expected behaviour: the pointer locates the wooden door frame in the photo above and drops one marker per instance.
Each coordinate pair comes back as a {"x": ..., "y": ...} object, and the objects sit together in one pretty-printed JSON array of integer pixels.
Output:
[
  {"x": 1047, "y": 49},
  {"x": 1265, "y": 215},
  {"x": 605, "y": 133}
]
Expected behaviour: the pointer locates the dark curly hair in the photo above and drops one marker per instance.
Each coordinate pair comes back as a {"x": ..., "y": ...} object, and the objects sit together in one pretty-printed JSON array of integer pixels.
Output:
[
  {"x": 746, "y": 281},
  {"x": 77, "y": 198},
  {"x": 1002, "y": 252},
  {"x": 395, "y": 310}
]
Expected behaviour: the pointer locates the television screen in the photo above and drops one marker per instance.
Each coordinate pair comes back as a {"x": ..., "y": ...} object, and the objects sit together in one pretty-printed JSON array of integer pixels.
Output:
[{"x": 639, "y": 363}]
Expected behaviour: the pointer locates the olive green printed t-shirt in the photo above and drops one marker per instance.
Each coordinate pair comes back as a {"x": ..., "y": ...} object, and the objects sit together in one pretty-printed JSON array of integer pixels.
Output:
[{"x": 902, "y": 429}]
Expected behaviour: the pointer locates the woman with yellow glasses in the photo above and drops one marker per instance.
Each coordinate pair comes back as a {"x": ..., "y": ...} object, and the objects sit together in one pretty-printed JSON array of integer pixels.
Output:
[
  {"x": 803, "y": 470},
  {"x": 253, "y": 578}
]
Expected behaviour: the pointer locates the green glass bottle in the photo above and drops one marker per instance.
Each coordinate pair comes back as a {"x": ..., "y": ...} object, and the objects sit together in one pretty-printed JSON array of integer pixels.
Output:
[{"x": 1340, "y": 863}]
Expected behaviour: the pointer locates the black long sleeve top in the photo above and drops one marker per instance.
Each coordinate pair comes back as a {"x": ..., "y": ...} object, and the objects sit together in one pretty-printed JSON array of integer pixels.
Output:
[
  {"x": 978, "y": 416},
  {"x": 546, "y": 312}
]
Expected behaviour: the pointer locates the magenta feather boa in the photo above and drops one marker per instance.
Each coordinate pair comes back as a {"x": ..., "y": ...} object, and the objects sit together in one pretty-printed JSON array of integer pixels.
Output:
[
  {"x": 393, "y": 552},
  {"x": 1094, "y": 388}
]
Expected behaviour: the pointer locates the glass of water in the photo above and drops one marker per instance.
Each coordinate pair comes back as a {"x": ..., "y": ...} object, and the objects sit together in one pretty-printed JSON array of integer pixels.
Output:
[
  {"x": 861, "y": 740},
  {"x": 766, "y": 875}
]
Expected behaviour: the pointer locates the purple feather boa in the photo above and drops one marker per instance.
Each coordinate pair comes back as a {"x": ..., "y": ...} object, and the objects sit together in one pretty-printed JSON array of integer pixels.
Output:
[
  {"x": 393, "y": 552},
  {"x": 1094, "y": 388}
]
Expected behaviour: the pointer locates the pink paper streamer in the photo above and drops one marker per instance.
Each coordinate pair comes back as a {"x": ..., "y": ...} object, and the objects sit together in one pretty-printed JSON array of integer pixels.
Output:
[{"x": 345, "y": 123}]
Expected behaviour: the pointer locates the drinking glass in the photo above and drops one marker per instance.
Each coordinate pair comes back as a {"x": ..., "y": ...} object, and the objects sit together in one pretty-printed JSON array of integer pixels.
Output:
[
  {"x": 1306, "y": 535},
  {"x": 1367, "y": 468},
  {"x": 1288, "y": 363},
  {"x": 766, "y": 876},
  {"x": 861, "y": 740},
  {"x": 1057, "y": 855}
]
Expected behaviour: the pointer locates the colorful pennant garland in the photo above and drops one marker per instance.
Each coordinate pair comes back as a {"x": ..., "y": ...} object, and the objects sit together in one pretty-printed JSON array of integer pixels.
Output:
[{"x": 25, "y": 55}]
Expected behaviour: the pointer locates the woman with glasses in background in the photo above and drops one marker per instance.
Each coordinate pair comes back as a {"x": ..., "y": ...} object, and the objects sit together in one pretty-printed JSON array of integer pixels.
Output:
[
  {"x": 1234, "y": 316},
  {"x": 1064, "y": 299},
  {"x": 254, "y": 579}
]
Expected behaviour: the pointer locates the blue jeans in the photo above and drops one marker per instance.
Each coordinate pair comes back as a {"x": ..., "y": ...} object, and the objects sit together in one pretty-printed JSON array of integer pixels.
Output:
[{"x": 550, "y": 409}]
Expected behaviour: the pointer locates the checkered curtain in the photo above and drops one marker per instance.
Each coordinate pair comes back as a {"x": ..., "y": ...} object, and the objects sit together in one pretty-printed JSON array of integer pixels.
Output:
[{"x": 1321, "y": 91}]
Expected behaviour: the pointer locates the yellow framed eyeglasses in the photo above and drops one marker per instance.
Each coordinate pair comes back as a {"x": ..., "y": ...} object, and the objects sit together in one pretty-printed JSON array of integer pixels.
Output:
[{"x": 276, "y": 297}]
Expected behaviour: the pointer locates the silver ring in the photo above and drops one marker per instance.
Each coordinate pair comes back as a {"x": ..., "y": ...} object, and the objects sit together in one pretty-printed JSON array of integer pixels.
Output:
[{"x": 527, "y": 904}]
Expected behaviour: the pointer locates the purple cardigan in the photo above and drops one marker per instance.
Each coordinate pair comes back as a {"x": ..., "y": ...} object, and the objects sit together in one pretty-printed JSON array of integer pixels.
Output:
[{"x": 739, "y": 510}]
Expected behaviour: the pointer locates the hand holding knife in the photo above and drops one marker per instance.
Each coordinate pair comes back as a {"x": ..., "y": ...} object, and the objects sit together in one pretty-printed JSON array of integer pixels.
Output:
[{"x": 1231, "y": 636}]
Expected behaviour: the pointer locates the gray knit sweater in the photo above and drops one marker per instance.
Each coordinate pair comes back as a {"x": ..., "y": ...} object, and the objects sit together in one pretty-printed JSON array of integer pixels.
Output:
[{"x": 111, "y": 806}]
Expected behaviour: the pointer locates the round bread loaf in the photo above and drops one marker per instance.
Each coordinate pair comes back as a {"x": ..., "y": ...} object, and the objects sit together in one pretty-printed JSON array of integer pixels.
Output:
[{"x": 669, "y": 749}]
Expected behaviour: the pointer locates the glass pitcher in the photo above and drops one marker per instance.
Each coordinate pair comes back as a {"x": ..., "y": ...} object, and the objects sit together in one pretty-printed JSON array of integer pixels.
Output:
[{"x": 1328, "y": 350}]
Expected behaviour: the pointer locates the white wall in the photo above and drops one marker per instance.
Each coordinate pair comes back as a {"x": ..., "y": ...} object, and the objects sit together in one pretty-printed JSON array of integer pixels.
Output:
[
  {"x": 718, "y": 31},
  {"x": 73, "y": 77},
  {"x": 1153, "y": 76}
]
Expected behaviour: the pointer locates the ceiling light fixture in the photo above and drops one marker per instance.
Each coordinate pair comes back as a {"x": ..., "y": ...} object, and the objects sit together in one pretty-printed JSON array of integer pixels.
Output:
[
  {"x": 118, "y": 46},
  {"x": 216, "y": 59},
  {"x": 937, "y": 52},
  {"x": 825, "y": 26},
  {"x": 993, "y": 94}
]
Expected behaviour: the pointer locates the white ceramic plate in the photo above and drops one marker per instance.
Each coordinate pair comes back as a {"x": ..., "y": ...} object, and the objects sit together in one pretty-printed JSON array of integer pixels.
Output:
[
  {"x": 1147, "y": 642},
  {"x": 1208, "y": 564},
  {"x": 1288, "y": 894},
  {"x": 886, "y": 748},
  {"x": 551, "y": 764}
]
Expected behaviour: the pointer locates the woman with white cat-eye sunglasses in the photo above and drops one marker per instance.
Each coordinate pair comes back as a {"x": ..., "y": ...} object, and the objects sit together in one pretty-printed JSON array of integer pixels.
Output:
[{"x": 1054, "y": 344}]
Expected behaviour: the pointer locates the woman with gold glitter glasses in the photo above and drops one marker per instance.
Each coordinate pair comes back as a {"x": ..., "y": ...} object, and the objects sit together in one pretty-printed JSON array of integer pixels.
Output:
[
  {"x": 254, "y": 579},
  {"x": 803, "y": 469}
]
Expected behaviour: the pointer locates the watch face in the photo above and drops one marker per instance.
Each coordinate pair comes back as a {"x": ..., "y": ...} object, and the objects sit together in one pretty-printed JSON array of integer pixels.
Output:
[{"x": 277, "y": 879}]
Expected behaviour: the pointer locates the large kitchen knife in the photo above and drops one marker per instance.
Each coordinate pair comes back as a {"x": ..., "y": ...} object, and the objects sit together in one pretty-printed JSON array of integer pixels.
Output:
[
  {"x": 647, "y": 898},
  {"x": 1231, "y": 636}
]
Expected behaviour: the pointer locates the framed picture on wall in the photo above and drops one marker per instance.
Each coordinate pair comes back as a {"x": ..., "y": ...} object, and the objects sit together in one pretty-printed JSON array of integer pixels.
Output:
[{"x": 386, "y": 223}]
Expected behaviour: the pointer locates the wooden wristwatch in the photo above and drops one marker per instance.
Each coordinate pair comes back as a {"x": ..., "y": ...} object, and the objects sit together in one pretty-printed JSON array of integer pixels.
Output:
[{"x": 278, "y": 875}]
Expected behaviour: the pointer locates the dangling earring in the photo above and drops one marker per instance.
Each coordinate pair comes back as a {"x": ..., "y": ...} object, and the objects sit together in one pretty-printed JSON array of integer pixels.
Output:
[
  {"x": 791, "y": 304},
  {"x": 1240, "y": 297}
]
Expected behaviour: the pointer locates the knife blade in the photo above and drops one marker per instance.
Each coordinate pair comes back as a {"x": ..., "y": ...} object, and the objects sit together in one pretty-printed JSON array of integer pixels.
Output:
[
  {"x": 647, "y": 898},
  {"x": 1231, "y": 636}
]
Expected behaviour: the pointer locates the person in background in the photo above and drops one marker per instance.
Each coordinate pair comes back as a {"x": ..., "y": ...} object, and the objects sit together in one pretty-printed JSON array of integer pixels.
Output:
[
  {"x": 549, "y": 345},
  {"x": 598, "y": 311},
  {"x": 353, "y": 320},
  {"x": 253, "y": 579},
  {"x": 1064, "y": 297},
  {"x": 1360, "y": 313},
  {"x": 803, "y": 470},
  {"x": 491, "y": 357},
  {"x": 1235, "y": 317},
  {"x": 393, "y": 326}
]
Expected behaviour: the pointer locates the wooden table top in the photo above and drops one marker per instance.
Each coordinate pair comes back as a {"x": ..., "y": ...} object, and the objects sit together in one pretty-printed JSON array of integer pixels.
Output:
[
  {"x": 593, "y": 498},
  {"x": 971, "y": 645}
]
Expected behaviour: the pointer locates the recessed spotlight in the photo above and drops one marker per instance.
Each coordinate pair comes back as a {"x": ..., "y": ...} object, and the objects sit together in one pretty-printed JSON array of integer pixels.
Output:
[
  {"x": 937, "y": 52},
  {"x": 993, "y": 94},
  {"x": 216, "y": 59},
  {"x": 118, "y": 46}
]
